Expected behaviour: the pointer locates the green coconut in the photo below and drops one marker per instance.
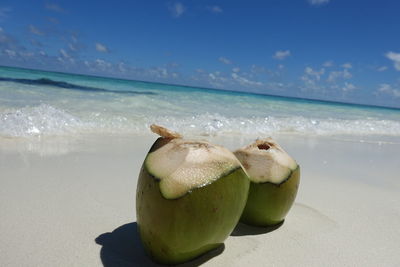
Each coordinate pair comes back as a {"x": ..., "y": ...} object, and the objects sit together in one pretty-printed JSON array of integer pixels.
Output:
[
  {"x": 275, "y": 178},
  {"x": 190, "y": 196}
]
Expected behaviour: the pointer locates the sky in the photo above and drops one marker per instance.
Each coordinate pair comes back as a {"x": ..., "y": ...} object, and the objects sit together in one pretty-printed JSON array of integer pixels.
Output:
[{"x": 338, "y": 50}]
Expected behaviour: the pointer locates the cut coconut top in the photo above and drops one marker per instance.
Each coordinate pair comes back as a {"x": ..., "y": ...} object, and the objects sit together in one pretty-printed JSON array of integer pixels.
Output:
[
  {"x": 182, "y": 165},
  {"x": 265, "y": 161}
]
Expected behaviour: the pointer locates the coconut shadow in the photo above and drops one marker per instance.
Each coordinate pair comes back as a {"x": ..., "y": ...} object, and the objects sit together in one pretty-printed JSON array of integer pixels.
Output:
[
  {"x": 123, "y": 247},
  {"x": 242, "y": 229}
]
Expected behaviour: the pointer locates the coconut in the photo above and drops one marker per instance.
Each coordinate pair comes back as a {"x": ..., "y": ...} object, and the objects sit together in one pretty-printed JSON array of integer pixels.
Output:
[
  {"x": 190, "y": 196},
  {"x": 274, "y": 177}
]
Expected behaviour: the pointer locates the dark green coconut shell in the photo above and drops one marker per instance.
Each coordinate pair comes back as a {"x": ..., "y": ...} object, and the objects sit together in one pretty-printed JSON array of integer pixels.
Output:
[
  {"x": 269, "y": 203},
  {"x": 178, "y": 230}
]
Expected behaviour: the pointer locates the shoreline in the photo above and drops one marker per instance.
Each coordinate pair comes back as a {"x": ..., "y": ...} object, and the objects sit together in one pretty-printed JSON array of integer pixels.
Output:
[
  {"x": 73, "y": 203},
  {"x": 63, "y": 144}
]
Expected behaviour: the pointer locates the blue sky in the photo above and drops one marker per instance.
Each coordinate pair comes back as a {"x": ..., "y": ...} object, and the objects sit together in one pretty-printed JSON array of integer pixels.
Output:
[{"x": 340, "y": 50}]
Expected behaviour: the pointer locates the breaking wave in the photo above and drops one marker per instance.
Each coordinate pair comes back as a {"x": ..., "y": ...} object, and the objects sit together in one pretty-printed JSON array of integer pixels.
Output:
[{"x": 45, "y": 120}]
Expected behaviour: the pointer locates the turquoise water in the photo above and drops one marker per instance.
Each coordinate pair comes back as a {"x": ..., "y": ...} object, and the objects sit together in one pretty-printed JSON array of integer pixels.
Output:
[{"x": 38, "y": 103}]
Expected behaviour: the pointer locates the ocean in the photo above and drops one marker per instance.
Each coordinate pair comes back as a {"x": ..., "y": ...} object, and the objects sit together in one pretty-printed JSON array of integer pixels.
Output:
[{"x": 38, "y": 104}]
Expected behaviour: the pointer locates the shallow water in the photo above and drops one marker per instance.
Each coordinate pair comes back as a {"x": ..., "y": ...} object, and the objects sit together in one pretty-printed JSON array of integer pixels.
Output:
[{"x": 38, "y": 103}]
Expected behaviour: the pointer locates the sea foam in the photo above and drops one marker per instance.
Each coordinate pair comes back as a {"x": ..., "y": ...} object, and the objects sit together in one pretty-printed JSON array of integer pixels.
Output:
[
  {"x": 45, "y": 120},
  {"x": 39, "y": 120}
]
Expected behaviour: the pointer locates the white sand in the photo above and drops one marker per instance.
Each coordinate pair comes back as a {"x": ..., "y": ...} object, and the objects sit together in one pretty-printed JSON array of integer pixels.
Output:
[{"x": 57, "y": 196}]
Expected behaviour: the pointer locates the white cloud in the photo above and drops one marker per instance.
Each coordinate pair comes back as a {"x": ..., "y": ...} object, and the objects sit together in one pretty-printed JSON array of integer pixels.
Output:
[
  {"x": 334, "y": 75},
  {"x": 347, "y": 65},
  {"x": 216, "y": 79},
  {"x": 316, "y": 83},
  {"x": 65, "y": 56},
  {"x": 348, "y": 87},
  {"x": 122, "y": 67},
  {"x": 10, "y": 53},
  {"x": 281, "y": 54},
  {"x": 74, "y": 38},
  {"x": 215, "y": 9},
  {"x": 64, "y": 53},
  {"x": 160, "y": 73},
  {"x": 318, "y": 2},
  {"x": 35, "y": 30},
  {"x": 244, "y": 81},
  {"x": 385, "y": 88},
  {"x": 395, "y": 57},
  {"x": 101, "y": 48},
  {"x": 101, "y": 64},
  {"x": 328, "y": 64},
  {"x": 313, "y": 73},
  {"x": 225, "y": 60},
  {"x": 212, "y": 76},
  {"x": 236, "y": 69},
  {"x": 72, "y": 47},
  {"x": 310, "y": 84},
  {"x": 383, "y": 68},
  {"x": 389, "y": 90},
  {"x": 177, "y": 9},
  {"x": 312, "y": 80}
]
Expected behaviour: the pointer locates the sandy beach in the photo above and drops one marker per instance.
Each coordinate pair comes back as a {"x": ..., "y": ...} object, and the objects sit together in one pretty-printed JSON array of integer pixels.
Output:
[
  {"x": 71, "y": 202},
  {"x": 82, "y": 83}
]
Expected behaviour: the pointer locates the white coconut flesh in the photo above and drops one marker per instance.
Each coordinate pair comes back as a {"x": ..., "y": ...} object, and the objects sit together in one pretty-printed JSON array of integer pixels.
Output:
[
  {"x": 265, "y": 161},
  {"x": 183, "y": 165}
]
